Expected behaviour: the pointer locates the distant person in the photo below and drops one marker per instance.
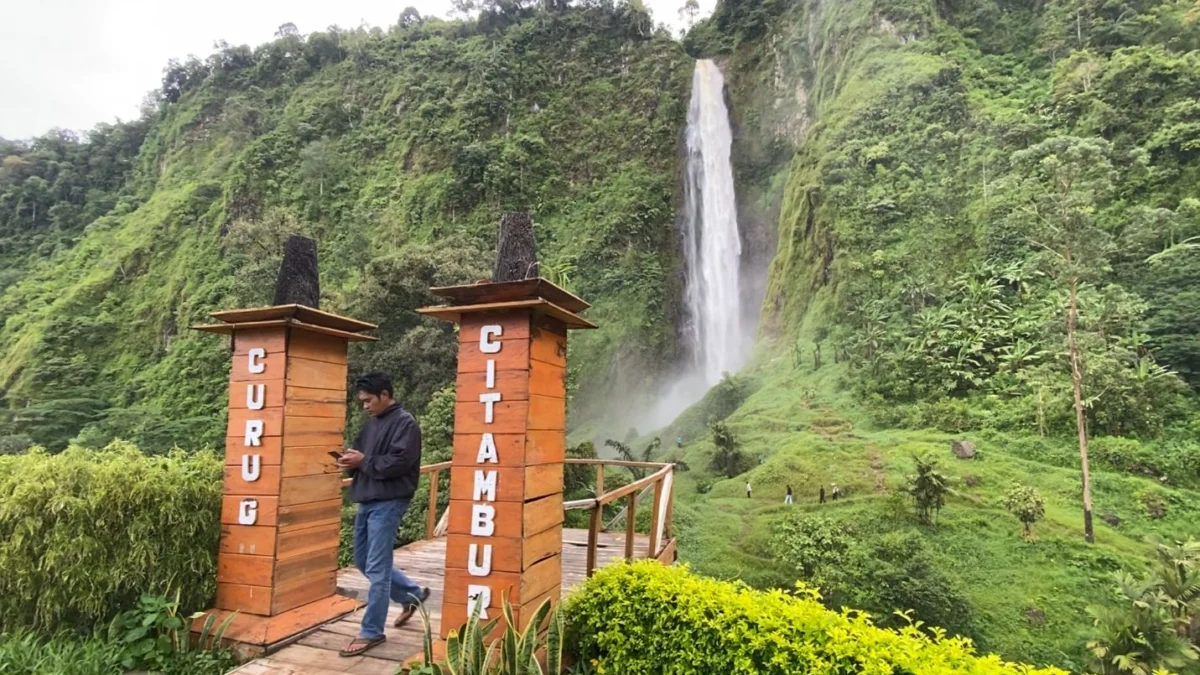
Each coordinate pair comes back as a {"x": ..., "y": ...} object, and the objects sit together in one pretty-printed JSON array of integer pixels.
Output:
[
  {"x": 385, "y": 465},
  {"x": 679, "y": 442},
  {"x": 787, "y": 498},
  {"x": 836, "y": 492},
  {"x": 748, "y": 490},
  {"x": 822, "y": 495}
]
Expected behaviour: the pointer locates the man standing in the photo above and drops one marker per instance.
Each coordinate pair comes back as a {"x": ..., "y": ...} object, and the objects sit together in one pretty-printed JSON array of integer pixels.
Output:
[
  {"x": 822, "y": 495},
  {"x": 385, "y": 464},
  {"x": 748, "y": 495},
  {"x": 787, "y": 498}
]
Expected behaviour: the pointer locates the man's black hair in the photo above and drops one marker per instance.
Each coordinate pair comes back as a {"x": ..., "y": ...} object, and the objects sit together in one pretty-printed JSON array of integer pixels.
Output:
[{"x": 375, "y": 383}]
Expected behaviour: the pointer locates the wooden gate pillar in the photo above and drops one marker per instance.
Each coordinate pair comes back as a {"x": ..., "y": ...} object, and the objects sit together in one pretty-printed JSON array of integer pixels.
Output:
[
  {"x": 510, "y": 418},
  {"x": 278, "y": 559}
]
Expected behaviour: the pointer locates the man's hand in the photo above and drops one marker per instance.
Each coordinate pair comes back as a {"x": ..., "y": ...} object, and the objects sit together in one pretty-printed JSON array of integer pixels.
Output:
[{"x": 351, "y": 459}]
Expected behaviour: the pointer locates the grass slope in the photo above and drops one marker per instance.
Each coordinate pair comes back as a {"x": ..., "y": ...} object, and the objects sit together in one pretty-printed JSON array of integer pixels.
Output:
[{"x": 804, "y": 432}]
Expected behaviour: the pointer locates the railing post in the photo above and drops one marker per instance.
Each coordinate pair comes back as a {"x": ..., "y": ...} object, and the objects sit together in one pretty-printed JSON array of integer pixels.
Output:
[
  {"x": 669, "y": 526},
  {"x": 431, "y": 514},
  {"x": 593, "y": 536},
  {"x": 599, "y": 480},
  {"x": 652, "y": 550},
  {"x": 630, "y": 518}
]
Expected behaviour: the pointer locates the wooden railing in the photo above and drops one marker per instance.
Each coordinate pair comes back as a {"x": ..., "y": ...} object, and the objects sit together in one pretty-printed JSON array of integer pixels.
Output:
[{"x": 661, "y": 544}]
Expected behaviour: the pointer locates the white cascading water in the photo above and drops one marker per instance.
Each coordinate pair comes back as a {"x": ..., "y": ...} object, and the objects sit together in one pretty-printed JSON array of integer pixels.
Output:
[
  {"x": 715, "y": 331},
  {"x": 712, "y": 245}
]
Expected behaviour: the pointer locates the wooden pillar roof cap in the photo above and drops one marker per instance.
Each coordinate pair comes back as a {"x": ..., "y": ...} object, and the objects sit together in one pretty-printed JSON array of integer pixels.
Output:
[
  {"x": 298, "y": 316},
  {"x": 540, "y": 295}
]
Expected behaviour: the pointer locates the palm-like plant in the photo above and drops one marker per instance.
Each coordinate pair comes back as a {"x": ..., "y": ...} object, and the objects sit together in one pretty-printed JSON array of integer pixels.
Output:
[
  {"x": 928, "y": 488},
  {"x": 1137, "y": 636},
  {"x": 1178, "y": 580}
]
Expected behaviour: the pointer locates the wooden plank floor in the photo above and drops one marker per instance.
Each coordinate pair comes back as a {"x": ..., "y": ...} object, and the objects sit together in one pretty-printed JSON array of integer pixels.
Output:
[{"x": 423, "y": 561}]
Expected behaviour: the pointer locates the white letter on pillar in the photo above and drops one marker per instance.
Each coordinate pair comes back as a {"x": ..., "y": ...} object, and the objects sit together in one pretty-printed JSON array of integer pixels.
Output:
[
  {"x": 251, "y": 467},
  {"x": 256, "y": 396},
  {"x": 480, "y": 594},
  {"x": 254, "y": 432},
  {"x": 485, "y": 486},
  {"x": 489, "y": 400},
  {"x": 491, "y": 373},
  {"x": 486, "y": 344},
  {"x": 248, "y": 512},
  {"x": 253, "y": 364},
  {"x": 483, "y": 520},
  {"x": 479, "y": 569},
  {"x": 487, "y": 450}
]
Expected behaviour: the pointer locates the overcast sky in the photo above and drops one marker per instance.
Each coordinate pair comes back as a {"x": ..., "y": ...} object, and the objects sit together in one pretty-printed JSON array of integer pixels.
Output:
[{"x": 74, "y": 63}]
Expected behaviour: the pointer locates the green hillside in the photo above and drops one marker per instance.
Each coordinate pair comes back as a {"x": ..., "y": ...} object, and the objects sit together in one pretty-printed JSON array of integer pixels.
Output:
[
  {"x": 397, "y": 150},
  {"x": 925, "y": 164},
  {"x": 933, "y": 183}
]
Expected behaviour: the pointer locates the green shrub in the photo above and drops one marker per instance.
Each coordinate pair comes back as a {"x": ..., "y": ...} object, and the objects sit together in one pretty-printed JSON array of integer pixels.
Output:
[
  {"x": 84, "y": 533},
  {"x": 878, "y": 573},
  {"x": 647, "y": 619}
]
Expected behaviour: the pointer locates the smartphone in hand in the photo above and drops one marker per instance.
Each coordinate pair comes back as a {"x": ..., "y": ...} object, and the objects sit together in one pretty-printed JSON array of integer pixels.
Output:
[{"x": 336, "y": 455}]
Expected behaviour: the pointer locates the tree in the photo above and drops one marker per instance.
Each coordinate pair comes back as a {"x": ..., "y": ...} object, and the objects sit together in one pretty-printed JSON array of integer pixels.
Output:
[
  {"x": 928, "y": 489},
  {"x": 287, "y": 30},
  {"x": 410, "y": 17},
  {"x": 728, "y": 459},
  {"x": 1062, "y": 182},
  {"x": 1026, "y": 504},
  {"x": 318, "y": 161},
  {"x": 626, "y": 454},
  {"x": 690, "y": 9}
]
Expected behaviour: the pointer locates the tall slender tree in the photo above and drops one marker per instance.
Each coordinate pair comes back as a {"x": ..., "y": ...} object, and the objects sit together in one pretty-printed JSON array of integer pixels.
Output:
[{"x": 1061, "y": 184}]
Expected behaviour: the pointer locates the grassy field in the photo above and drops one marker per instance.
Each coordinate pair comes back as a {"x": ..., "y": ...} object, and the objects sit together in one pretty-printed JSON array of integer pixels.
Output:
[{"x": 803, "y": 430}]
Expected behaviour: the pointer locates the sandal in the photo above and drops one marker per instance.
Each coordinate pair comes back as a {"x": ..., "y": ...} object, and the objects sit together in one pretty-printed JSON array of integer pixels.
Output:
[
  {"x": 365, "y": 644},
  {"x": 411, "y": 609}
]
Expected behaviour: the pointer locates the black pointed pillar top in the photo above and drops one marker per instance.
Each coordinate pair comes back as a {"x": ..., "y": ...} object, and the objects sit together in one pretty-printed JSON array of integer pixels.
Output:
[
  {"x": 516, "y": 255},
  {"x": 298, "y": 282}
]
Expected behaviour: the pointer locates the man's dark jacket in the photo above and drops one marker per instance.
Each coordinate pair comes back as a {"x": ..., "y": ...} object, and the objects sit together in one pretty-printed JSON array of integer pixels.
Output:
[{"x": 391, "y": 466}]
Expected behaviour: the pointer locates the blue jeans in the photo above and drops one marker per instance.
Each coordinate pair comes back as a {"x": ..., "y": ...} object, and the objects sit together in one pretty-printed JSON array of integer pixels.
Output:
[{"x": 374, "y": 539}]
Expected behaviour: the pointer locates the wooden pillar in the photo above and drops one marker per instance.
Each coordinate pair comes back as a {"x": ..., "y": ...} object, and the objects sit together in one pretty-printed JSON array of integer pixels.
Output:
[
  {"x": 506, "y": 477},
  {"x": 281, "y": 511}
]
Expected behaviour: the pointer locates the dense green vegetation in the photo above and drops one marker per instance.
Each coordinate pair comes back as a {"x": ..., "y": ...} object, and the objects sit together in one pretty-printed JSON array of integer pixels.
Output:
[
  {"x": 397, "y": 149},
  {"x": 945, "y": 181},
  {"x": 947, "y": 177}
]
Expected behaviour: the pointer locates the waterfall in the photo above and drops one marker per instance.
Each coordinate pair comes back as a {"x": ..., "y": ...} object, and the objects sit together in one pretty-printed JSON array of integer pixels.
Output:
[{"x": 712, "y": 245}]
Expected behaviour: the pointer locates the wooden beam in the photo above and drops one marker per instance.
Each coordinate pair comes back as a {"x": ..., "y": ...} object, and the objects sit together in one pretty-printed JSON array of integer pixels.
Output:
[
  {"x": 630, "y": 524},
  {"x": 593, "y": 537},
  {"x": 431, "y": 513},
  {"x": 655, "y": 516}
]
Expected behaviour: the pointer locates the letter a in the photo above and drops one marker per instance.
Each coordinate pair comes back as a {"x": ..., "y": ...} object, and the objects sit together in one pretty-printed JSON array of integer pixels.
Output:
[
  {"x": 483, "y": 520},
  {"x": 476, "y": 568},
  {"x": 254, "y": 432},
  {"x": 487, "y": 450}
]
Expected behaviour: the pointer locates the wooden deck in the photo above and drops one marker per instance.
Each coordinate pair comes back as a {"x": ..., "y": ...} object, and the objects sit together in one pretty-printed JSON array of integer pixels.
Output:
[{"x": 423, "y": 561}]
